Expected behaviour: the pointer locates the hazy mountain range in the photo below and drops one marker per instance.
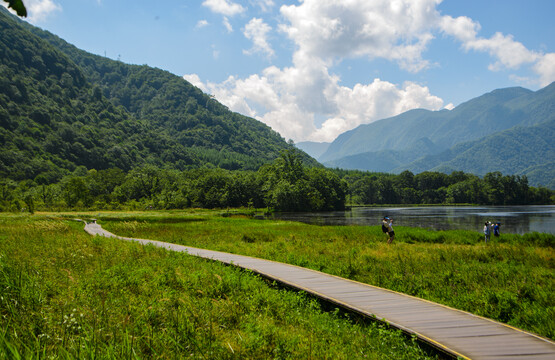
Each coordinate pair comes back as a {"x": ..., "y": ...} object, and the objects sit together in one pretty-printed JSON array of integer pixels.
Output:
[{"x": 508, "y": 130}]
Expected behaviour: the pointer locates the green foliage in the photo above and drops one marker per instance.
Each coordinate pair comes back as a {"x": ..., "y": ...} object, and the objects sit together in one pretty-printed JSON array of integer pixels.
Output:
[
  {"x": 18, "y": 6},
  {"x": 151, "y": 187},
  {"x": 289, "y": 186},
  {"x": 438, "y": 188}
]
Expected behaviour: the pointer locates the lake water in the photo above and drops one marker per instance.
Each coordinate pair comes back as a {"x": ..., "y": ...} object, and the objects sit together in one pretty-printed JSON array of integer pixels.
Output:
[{"x": 513, "y": 219}]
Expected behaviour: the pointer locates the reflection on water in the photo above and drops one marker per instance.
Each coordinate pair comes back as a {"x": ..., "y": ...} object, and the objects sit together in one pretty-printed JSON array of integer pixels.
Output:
[{"x": 513, "y": 219}]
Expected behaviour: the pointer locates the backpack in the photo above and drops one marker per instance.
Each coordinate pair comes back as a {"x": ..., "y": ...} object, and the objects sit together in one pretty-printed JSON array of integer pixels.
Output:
[{"x": 384, "y": 228}]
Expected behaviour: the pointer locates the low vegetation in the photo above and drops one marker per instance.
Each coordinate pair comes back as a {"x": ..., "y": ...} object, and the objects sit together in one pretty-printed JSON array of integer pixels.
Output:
[
  {"x": 510, "y": 280},
  {"x": 65, "y": 294}
]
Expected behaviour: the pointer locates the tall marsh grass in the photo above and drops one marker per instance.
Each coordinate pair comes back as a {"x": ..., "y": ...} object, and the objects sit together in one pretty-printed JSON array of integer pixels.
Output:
[
  {"x": 510, "y": 279},
  {"x": 67, "y": 295}
]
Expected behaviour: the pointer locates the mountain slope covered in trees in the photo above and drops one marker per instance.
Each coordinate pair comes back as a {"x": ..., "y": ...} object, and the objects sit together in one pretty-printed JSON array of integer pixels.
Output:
[
  {"x": 520, "y": 150},
  {"x": 61, "y": 108}
]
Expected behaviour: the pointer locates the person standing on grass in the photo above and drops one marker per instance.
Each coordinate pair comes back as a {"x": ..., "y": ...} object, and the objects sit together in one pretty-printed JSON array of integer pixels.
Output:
[
  {"x": 385, "y": 226},
  {"x": 390, "y": 231},
  {"x": 487, "y": 231},
  {"x": 496, "y": 230}
]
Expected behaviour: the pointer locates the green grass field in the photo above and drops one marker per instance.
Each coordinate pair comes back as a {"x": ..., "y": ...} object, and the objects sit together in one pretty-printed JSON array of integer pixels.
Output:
[
  {"x": 65, "y": 294},
  {"x": 510, "y": 280}
]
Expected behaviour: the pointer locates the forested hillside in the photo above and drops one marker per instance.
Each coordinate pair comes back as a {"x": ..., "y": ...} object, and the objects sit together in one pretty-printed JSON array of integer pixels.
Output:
[
  {"x": 61, "y": 108},
  {"x": 521, "y": 150}
]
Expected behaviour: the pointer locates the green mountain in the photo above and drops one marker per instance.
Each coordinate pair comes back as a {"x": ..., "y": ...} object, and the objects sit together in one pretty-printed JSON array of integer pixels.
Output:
[
  {"x": 61, "y": 107},
  {"x": 508, "y": 130},
  {"x": 479, "y": 117},
  {"x": 520, "y": 150}
]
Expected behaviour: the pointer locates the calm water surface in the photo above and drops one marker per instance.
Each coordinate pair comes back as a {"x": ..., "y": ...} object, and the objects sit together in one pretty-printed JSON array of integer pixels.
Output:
[{"x": 513, "y": 219}]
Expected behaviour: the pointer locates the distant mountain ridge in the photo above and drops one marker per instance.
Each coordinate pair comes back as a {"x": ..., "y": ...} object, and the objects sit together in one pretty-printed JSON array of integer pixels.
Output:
[
  {"x": 312, "y": 148},
  {"x": 508, "y": 130}
]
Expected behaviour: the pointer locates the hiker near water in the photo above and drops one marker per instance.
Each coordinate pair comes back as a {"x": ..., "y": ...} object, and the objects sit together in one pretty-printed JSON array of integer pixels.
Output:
[
  {"x": 496, "y": 230},
  {"x": 387, "y": 223},
  {"x": 385, "y": 226},
  {"x": 487, "y": 231}
]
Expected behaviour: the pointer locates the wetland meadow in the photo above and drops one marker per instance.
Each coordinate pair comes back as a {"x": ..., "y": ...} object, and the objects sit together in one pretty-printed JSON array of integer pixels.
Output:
[{"x": 65, "y": 294}]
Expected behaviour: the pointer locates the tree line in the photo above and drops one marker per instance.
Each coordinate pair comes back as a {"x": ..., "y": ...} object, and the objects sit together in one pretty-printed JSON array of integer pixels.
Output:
[
  {"x": 438, "y": 188},
  {"x": 284, "y": 185}
]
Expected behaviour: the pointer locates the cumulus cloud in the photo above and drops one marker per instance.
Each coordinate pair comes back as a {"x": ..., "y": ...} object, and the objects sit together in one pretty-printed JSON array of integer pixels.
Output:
[
  {"x": 545, "y": 68},
  {"x": 462, "y": 28},
  {"x": 508, "y": 53},
  {"x": 257, "y": 31},
  {"x": 306, "y": 101},
  {"x": 504, "y": 49},
  {"x": 224, "y": 7},
  {"x": 394, "y": 30},
  {"x": 195, "y": 80},
  {"x": 290, "y": 99}
]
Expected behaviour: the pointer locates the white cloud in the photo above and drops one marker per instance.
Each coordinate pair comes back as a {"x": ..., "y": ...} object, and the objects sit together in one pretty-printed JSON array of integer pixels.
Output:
[
  {"x": 545, "y": 68},
  {"x": 508, "y": 53},
  {"x": 38, "y": 10},
  {"x": 306, "y": 101},
  {"x": 289, "y": 100},
  {"x": 195, "y": 80},
  {"x": 257, "y": 31},
  {"x": 394, "y": 30},
  {"x": 265, "y": 5},
  {"x": 227, "y": 25},
  {"x": 201, "y": 23},
  {"x": 224, "y": 7},
  {"x": 462, "y": 28}
]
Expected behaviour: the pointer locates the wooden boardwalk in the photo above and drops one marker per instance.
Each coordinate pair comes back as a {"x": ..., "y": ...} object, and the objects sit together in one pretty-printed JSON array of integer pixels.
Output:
[{"x": 452, "y": 331}]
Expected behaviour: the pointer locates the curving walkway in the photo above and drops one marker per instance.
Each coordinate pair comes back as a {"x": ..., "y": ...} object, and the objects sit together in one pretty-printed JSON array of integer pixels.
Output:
[{"x": 455, "y": 332}]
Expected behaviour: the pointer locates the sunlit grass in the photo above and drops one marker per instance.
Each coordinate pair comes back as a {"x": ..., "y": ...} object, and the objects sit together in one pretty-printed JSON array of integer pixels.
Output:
[
  {"x": 510, "y": 279},
  {"x": 65, "y": 294}
]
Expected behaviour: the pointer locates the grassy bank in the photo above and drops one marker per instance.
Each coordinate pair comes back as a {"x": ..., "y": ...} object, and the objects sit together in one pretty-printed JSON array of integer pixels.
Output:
[
  {"x": 510, "y": 280},
  {"x": 65, "y": 294}
]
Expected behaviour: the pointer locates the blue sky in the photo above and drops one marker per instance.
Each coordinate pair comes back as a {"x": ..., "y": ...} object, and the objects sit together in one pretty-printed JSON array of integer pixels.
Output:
[{"x": 313, "y": 69}]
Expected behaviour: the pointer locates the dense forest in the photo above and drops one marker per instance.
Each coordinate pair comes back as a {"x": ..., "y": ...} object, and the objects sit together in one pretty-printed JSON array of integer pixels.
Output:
[
  {"x": 60, "y": 110},
  {"x": 286, "y": 185}
]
